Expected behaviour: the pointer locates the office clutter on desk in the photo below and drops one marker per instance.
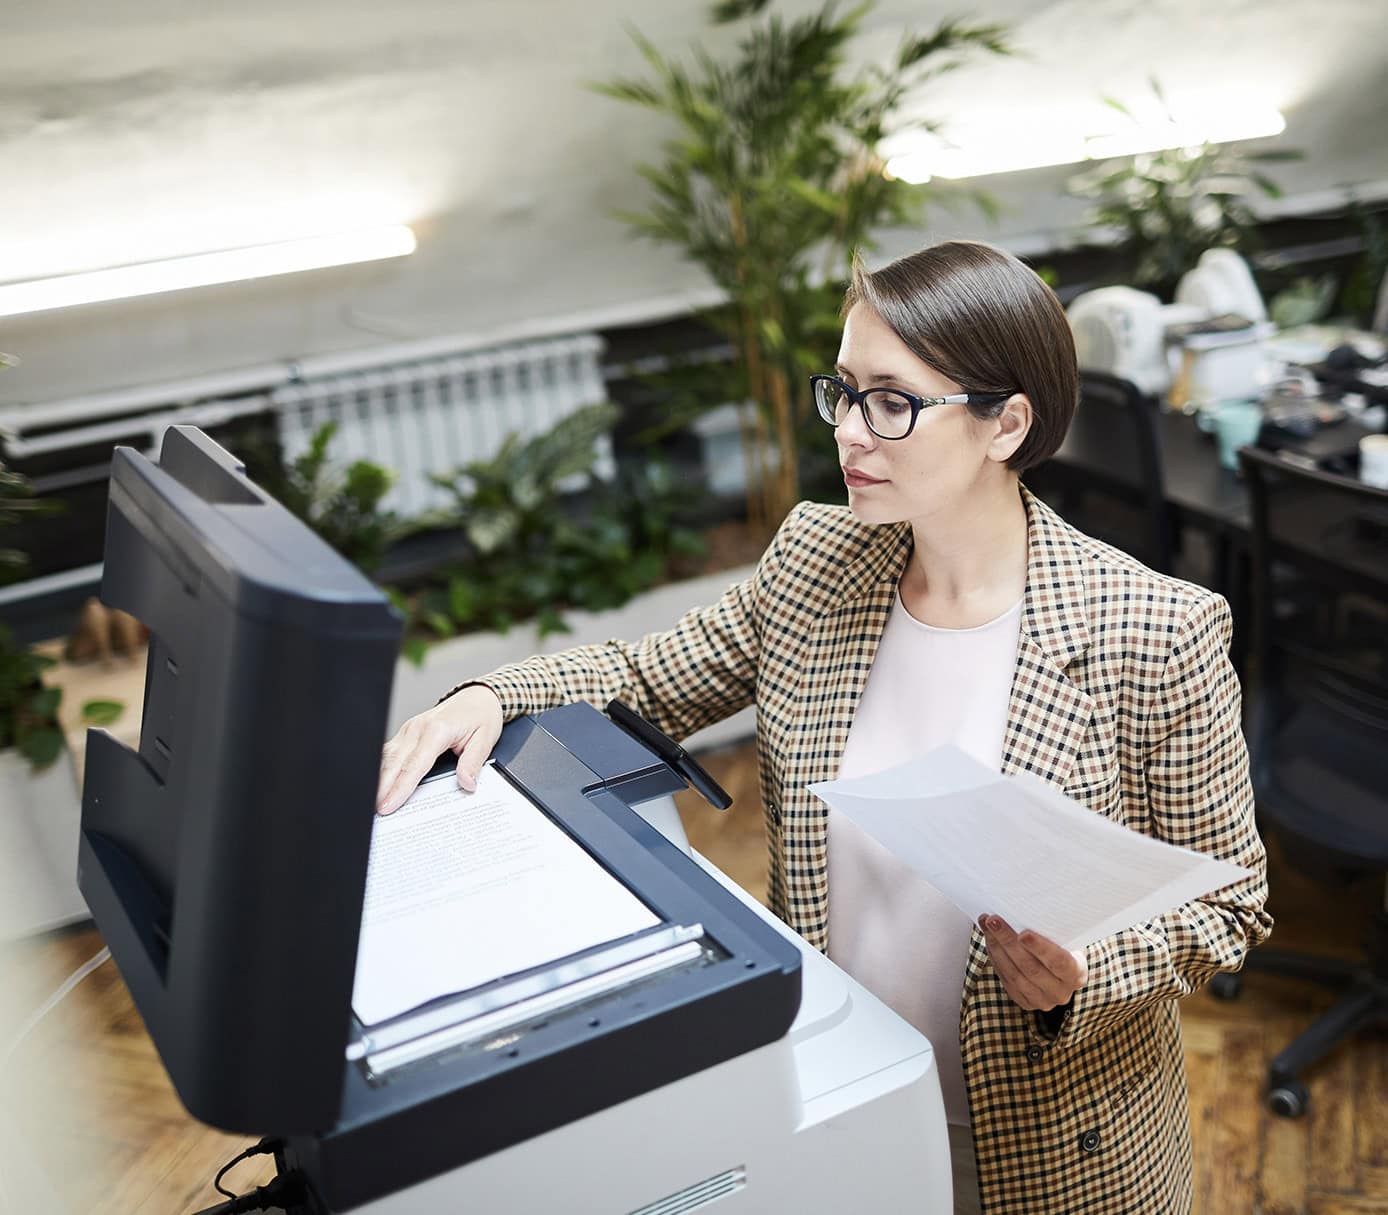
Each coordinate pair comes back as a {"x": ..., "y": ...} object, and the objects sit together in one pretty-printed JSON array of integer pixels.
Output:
[
  {"x": 1215, "y": 343},
  {"x": 1205, "y": 346}
]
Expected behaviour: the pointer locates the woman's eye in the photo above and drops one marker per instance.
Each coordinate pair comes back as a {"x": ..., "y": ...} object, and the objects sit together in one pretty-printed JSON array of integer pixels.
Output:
[{"x": 889, "y": 402}]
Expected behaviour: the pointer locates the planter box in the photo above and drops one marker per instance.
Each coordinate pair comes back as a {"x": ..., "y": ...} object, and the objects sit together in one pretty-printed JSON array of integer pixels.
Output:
[
  {"x": 40, "y": 815},
  {"x": 449, "y": 663}
]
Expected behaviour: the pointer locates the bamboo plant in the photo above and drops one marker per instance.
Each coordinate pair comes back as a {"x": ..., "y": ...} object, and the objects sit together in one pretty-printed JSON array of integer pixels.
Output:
[{"x": 770, "y": 182}]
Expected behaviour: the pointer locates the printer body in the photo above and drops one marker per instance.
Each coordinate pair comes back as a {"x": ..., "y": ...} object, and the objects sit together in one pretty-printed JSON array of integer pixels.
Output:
[{"x": 710, "y": 1058}]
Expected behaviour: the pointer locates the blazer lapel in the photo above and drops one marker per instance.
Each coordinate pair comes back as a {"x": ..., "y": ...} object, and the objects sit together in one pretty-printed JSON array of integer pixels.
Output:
[
  {"x": 838, "y": 656},
  {"x": 1047, "y": 714}
]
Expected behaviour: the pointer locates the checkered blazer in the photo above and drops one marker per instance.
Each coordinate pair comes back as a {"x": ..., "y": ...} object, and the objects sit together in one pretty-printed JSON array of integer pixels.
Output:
[{"x": 1123, "y": 696}]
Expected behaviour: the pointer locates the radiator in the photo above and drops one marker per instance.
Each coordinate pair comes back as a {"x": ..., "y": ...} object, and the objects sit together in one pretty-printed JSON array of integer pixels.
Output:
[
  {"x": 435, "y": 415},
  {"x": 418, "y": 408}
]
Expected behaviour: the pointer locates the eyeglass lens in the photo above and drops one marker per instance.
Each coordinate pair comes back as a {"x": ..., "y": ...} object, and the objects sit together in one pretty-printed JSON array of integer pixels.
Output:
[{"x": 888, "y": 413}]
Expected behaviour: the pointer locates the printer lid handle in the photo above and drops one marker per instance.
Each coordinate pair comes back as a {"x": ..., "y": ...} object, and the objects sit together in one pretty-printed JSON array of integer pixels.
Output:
[{"x": 671, "y": 752}]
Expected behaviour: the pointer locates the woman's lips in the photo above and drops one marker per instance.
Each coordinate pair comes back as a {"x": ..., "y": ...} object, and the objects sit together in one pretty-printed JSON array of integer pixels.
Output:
[{"x": 859, "y": 479}]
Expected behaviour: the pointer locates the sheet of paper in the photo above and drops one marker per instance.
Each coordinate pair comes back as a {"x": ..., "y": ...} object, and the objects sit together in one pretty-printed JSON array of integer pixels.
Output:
[
  {"x": 466, "y": 888},
  {"x": 1018, "y": 848}
]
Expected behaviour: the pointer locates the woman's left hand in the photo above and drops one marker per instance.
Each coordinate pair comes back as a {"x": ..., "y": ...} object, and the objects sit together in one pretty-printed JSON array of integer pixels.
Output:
[{"x": 1036, "y": 972}]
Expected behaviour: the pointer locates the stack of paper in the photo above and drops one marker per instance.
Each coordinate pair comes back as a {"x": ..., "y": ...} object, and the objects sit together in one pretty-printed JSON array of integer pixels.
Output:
[
  {"x": 1016, "y": 847},
  {"x": 464, "y": 888}
]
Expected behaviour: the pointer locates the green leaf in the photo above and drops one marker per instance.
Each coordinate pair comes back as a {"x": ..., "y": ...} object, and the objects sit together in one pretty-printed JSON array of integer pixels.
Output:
[
  {"x": 726, "y": 11},
  {"x": 549, "y": 621},
  {"x": 822, "y": 200},
  {"x": 101, "y": 712},
  {"x": 44, "y": 703},
  {"x": 687, "y": 543},
  {"x": 42, "y": 747},
  {"x": 413, "y": 650},
  {"x": 462, "y": 599},
  {"x": 635, "y": 92},
  {"x": 489, "y": 530},
  {"x": 440, "y": 623}
]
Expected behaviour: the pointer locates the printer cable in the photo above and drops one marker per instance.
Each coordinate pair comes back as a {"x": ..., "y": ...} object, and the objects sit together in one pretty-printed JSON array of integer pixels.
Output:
[
  {"x": 285, "y": 1192},
  {"x": 264, "y": 1148}
]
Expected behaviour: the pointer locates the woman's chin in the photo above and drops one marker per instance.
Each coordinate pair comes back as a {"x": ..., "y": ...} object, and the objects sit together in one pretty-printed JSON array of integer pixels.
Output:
[{"x": 868, "y": 512}]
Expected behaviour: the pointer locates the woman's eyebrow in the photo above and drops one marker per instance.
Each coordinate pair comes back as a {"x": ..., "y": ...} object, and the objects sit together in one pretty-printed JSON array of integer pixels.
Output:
[{"x": 881, "y": 377}]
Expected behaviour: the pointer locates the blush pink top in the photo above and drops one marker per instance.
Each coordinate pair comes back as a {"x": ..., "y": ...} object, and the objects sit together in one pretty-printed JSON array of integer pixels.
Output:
[{"x": 889, "y": 929}]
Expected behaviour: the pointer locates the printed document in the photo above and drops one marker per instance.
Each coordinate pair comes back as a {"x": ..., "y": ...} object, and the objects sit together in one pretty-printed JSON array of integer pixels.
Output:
[
  {"x": 464, "y": 888},
  {"x": 1016, "y": 847}
]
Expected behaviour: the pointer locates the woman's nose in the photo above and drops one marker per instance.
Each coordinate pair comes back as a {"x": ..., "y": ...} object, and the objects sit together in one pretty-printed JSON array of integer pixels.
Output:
[{"x": 853, "y": 430}]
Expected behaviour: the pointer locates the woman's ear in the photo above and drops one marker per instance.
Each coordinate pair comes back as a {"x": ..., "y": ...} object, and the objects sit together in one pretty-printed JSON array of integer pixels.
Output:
[{"x": 1010, "y": 427}]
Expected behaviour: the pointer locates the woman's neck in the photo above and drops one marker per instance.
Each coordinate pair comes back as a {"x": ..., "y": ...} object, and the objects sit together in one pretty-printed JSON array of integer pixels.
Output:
[{"x": 971, "y": 569}]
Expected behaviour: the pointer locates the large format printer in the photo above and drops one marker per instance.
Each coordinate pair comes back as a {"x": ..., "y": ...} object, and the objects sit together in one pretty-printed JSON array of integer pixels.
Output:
[{"x": 711, "y": 1058}]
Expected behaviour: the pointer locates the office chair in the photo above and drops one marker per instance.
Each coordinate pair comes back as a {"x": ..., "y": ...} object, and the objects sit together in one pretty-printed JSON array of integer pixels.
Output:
[
  {"x": 1115, "y": 426},
  {"x": 1318, "y": 728}
]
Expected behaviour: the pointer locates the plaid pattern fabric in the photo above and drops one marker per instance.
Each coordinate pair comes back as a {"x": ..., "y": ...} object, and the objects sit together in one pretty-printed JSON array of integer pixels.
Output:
[{"x": 1123, "y": 696}]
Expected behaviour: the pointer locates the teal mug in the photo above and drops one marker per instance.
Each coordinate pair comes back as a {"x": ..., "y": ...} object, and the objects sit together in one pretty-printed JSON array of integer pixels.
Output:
[{"x": 1236, "y": 424}]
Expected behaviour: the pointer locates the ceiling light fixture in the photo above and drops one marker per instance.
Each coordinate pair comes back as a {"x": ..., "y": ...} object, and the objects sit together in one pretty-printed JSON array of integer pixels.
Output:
[
  {"x": 206, "y": 269},
  {"x": 932, "y": 157}
]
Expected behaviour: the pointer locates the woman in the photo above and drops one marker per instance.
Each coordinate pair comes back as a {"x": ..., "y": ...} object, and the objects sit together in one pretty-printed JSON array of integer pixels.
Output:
[{"x": 946, "y": 604}]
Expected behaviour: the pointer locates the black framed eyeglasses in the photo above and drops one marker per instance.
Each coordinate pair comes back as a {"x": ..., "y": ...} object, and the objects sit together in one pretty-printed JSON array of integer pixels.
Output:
[{"x": 889, "y": 413}]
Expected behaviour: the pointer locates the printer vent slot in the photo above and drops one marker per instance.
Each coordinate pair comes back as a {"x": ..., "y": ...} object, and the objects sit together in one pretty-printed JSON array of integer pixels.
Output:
[{"x": 699, "y": 1195}]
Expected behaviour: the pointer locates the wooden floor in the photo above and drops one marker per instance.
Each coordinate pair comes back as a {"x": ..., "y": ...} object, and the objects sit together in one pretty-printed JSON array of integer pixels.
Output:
[{"x": 92, "y": 1126}]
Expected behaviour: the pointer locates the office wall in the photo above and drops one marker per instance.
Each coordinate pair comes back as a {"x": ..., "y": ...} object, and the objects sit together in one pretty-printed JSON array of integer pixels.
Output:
[{"x": 143, "y": 129}]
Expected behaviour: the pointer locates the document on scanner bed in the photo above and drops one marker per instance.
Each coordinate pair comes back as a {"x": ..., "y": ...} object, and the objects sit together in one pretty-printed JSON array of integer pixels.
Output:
[
  {"x": 1016, "y": 847},
  {"x": 463, "y": 888}
]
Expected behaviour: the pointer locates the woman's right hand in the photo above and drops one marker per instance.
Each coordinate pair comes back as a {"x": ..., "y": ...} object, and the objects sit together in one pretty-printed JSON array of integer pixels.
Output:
[{"x": 468, "y": 723}]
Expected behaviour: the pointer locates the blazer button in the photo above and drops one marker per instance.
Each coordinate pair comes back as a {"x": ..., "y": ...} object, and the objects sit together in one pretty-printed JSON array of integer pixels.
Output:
[
  {"x": 1034, "y": 1053},
  {"x": 1089, "y": 1141}
]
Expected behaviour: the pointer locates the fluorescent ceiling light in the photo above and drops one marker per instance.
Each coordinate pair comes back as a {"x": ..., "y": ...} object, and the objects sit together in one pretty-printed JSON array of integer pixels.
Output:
[
  {"x": 1032, "y": 150},
  {"x": 205, "y": 269}
]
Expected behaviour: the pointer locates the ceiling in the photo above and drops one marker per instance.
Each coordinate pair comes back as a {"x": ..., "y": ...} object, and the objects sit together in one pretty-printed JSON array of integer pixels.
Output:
[{"x": 138, "y": 129}]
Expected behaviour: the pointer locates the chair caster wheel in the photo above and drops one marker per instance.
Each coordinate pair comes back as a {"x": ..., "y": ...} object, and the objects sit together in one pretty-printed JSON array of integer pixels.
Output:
[
  {"x": 1226, "y": 986},
  {"x": 1288, "y": 1100}
]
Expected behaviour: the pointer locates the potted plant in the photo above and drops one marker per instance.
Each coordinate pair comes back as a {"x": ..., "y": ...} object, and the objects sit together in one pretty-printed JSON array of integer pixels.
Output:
[
  {"x": 340, "y": 505},
  {"x": 557, "y": 557},
  {"x": 40, "y": 806},
  {"x": 1169, "y": 206},
  {"x": 770, "y": 182}
]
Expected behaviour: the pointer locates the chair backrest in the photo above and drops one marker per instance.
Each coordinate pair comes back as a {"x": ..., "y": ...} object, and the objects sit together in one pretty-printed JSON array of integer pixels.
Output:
[
  {"x": 1332, "y": 529},
  {"x": 1380, "y": 321},
  {"x": 1319, "y": 731},
  {"x": 1115, "y": 435}
]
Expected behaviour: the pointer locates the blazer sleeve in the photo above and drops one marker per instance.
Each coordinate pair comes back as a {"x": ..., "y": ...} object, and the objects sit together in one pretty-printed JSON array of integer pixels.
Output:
[
  {"x": 700, "y": 671},
  {"x": 1201, "y": 798}
]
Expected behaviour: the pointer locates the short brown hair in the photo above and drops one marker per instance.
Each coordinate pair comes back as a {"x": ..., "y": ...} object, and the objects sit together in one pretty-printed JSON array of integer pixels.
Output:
[{"x": 984, "y": 319}]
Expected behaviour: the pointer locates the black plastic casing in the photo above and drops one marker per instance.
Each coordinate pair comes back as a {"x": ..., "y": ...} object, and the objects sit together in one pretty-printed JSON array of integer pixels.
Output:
[{"x": 225, "y": 861}]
